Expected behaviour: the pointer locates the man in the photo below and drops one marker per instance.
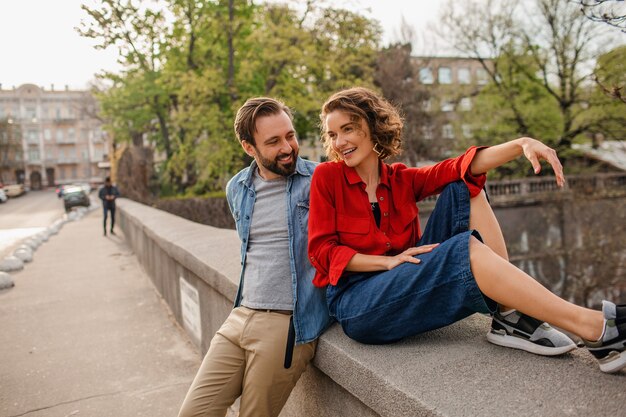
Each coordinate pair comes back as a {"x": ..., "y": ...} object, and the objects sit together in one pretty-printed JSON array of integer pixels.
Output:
[
  {"x": 253, "y": 354},
  {"x": 108, "y": 193}
]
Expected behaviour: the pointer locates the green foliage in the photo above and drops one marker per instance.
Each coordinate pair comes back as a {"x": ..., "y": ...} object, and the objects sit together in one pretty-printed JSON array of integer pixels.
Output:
[{"x": 185, "y": 76}]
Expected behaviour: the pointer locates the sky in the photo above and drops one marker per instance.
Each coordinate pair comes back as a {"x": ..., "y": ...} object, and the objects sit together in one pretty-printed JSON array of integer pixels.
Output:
[{"x": 38, "y": 43}]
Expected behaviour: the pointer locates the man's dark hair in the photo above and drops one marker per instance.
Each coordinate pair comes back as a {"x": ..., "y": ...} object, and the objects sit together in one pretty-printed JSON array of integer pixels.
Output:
[
  {"x": 247, "y": 115},
  {"x": 107, "y": 179}
]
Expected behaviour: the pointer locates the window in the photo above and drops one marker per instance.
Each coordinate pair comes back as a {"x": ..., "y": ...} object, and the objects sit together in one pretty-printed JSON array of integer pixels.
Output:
[
  {"x": 33, "y": 154},
  {"x": 47, "y": 134},
  {"x": 71, "y": 133},
  {"x": 427, "y": 132},
  {"x": 31, "y": 113},
  {"x": 481, "y": 76},
  {"x": 427, "y": 104},
  {"x": 31, "y": 136},
  {"x": 74, "y": 172},
  {"x": 1, "y": 112},
  {"x": 447, "y": 131},
  {"x": 464, "y": 76},
  {"x": 447, "y": 105},
  {"x": 426, "y": 76},
  {"x": 62, "y": 172},
  {"x": 445, "y": 75},
  {"x": 58, "y": 113},
  {"x": 465, "y": 104},
  {"x": 85, "y": 155},
  {"x": 467, "y": 130},
  {"x": 59, "y": 134}
]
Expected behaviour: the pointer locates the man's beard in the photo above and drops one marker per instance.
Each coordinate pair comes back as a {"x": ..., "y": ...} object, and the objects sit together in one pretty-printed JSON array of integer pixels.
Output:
[{"x": 276, "y": 167}]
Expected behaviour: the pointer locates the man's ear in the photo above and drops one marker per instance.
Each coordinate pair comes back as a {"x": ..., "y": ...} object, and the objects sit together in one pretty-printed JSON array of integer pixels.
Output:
[{"x": 248, "y": 148}]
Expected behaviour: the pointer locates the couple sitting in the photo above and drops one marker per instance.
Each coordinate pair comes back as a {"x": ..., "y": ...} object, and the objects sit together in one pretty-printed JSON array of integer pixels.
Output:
[{"x": 365, "y": 259}]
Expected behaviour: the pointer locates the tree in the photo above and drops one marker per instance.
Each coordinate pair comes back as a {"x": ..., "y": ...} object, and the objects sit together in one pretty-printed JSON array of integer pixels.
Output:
[
  {"x": 139, "y": 35},
  {"x": 185, "y": 76},
  {"x": 605, "y": 11},
  {"x": 396, "y": 76},
  {"x": 610, "y": 74},
  {"x": 10, "y": 149},
  {"x": 547, "y": 46}
]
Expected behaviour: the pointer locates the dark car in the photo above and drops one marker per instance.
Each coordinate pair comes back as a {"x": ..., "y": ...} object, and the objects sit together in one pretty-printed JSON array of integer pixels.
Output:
[{"x": 74, "y": 197}]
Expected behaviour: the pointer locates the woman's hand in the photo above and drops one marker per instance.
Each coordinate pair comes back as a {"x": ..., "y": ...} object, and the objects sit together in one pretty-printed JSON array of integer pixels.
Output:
[
  {"x": 535, "y": 151},
  {"x": 532, "y": 149},
  {"x": 408, "y": 255}
]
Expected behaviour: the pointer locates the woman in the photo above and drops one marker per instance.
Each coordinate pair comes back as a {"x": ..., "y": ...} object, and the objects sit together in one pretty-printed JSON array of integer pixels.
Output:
[{"x": 387, "y": 281}]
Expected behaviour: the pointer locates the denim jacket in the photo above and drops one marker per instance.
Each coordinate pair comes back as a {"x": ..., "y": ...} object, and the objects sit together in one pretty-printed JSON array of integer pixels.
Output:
[{"x": 310, "y": 315}]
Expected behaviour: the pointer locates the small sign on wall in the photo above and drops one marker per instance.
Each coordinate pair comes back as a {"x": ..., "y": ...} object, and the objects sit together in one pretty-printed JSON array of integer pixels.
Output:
[{"x": 190, "y": 309}]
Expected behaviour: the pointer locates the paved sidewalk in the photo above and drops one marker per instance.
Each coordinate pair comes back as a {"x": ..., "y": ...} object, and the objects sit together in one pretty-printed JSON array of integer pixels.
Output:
[{"x": 83, "y": 333}]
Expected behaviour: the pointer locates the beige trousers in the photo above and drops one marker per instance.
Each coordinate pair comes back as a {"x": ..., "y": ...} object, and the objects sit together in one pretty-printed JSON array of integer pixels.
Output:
[{"x": 246, "y": 358}]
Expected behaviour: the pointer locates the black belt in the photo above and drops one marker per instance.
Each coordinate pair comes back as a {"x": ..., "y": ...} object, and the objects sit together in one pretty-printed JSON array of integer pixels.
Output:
[{"x": 268, "y": 310}]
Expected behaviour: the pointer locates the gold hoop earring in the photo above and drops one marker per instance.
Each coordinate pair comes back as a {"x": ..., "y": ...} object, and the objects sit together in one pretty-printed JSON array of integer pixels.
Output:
[{"x": 379, "y": 152}]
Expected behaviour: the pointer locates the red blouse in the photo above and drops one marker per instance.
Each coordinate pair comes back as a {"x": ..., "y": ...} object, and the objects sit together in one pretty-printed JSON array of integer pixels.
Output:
[{"x": 341, "y": 222}]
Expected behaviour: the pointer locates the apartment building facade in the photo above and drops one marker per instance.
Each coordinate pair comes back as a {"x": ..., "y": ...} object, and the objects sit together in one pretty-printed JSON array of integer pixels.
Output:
[
  {"x": 452, "y": 83},
  {"x": 51, "y": 137}
]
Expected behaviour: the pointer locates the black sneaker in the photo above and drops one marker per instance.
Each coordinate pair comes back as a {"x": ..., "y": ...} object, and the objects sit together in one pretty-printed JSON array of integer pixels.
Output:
[
  {"x": 519, "y": 331},
  {"x": 610, "y": 350}
]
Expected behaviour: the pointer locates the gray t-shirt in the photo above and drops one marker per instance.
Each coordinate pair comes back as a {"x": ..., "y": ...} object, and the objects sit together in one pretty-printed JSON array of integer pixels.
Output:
[{"x": 267, "y": 276}]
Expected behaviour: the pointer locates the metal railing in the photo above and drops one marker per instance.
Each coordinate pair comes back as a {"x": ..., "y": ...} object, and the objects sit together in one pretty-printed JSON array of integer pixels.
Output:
[{"x": 546, "y": 187}]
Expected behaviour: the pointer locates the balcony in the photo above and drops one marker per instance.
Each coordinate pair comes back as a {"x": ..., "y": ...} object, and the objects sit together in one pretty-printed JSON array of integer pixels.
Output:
[
  {"x": 64, "y": 120},
  {"x": 67, "y": 160},
  {"x": 66, "y": 141}
]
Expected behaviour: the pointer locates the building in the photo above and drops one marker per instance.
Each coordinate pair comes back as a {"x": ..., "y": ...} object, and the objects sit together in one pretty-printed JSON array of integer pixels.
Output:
[
  {"x": 59, "y": 139},
  {"x": 452, "y": 84}
]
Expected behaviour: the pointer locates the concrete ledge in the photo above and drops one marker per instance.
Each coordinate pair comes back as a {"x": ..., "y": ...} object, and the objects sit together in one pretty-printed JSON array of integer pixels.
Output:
[{"x": 448, "y": 372}]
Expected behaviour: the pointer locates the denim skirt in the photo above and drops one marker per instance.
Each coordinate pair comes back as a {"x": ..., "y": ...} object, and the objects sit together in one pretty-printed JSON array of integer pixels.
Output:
[{"x": 383, "y": 307}]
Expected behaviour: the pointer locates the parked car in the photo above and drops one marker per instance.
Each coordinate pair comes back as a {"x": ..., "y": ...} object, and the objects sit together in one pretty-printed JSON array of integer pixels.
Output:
[
  {"x": 3, "y": 196},
  {"x": 85, "y": 186},
  {"x": 75, "y": 196},
  {"x": 14, "y": 190}
]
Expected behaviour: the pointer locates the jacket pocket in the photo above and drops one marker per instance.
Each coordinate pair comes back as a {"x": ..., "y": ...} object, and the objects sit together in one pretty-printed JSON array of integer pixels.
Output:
[{"x": 302, "y": 208}]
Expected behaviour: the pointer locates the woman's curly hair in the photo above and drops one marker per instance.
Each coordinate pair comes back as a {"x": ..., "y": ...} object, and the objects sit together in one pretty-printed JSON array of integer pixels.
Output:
[{"x": 383, "y": 120}]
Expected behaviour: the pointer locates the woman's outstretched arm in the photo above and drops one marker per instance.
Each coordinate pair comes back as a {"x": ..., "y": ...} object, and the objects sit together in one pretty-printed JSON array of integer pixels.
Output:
[{"x": 532, "y": 149}]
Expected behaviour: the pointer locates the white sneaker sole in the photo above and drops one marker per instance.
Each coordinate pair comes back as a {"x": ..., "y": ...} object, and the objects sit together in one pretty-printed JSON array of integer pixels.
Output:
[
  {"x": 617, "y": 362},
  {"x": 518, "y": 343}
]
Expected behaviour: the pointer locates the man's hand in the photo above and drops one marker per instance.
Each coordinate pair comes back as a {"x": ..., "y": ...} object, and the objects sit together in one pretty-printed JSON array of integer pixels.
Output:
[{"x": 408, "y": 255}]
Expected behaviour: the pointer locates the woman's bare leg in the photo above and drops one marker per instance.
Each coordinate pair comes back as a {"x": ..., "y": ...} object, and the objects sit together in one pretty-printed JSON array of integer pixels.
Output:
[
  {"x": 484, "y": 220},
  {"x": 509, "y": 286}
]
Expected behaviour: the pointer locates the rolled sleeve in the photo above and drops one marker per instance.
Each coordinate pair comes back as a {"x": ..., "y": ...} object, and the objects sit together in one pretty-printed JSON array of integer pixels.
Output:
[
  {"x": 475, "y": 183},
  {"x": 339, "y": 260}
]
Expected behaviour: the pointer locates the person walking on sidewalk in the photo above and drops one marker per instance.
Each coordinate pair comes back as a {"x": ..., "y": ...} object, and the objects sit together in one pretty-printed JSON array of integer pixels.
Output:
[
  {"x": 108, "y": 194},
  {"x": 386, "y": 280},
  {"x": 270, "y": 336}
]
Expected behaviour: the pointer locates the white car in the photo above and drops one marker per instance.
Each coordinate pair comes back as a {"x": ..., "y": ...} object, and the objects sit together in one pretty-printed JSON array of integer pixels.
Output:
[
  {"x": 14, "y": 190},
  {"x": 3, "y": 196}
]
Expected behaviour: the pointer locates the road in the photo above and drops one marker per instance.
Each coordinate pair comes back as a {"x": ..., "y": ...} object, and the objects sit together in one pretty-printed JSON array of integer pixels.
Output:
[{"x": 27, "y": 215}]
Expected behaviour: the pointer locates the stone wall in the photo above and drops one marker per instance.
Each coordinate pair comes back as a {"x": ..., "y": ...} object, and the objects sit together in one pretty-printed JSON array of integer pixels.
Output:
[{"x": 448, "y": 372}]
